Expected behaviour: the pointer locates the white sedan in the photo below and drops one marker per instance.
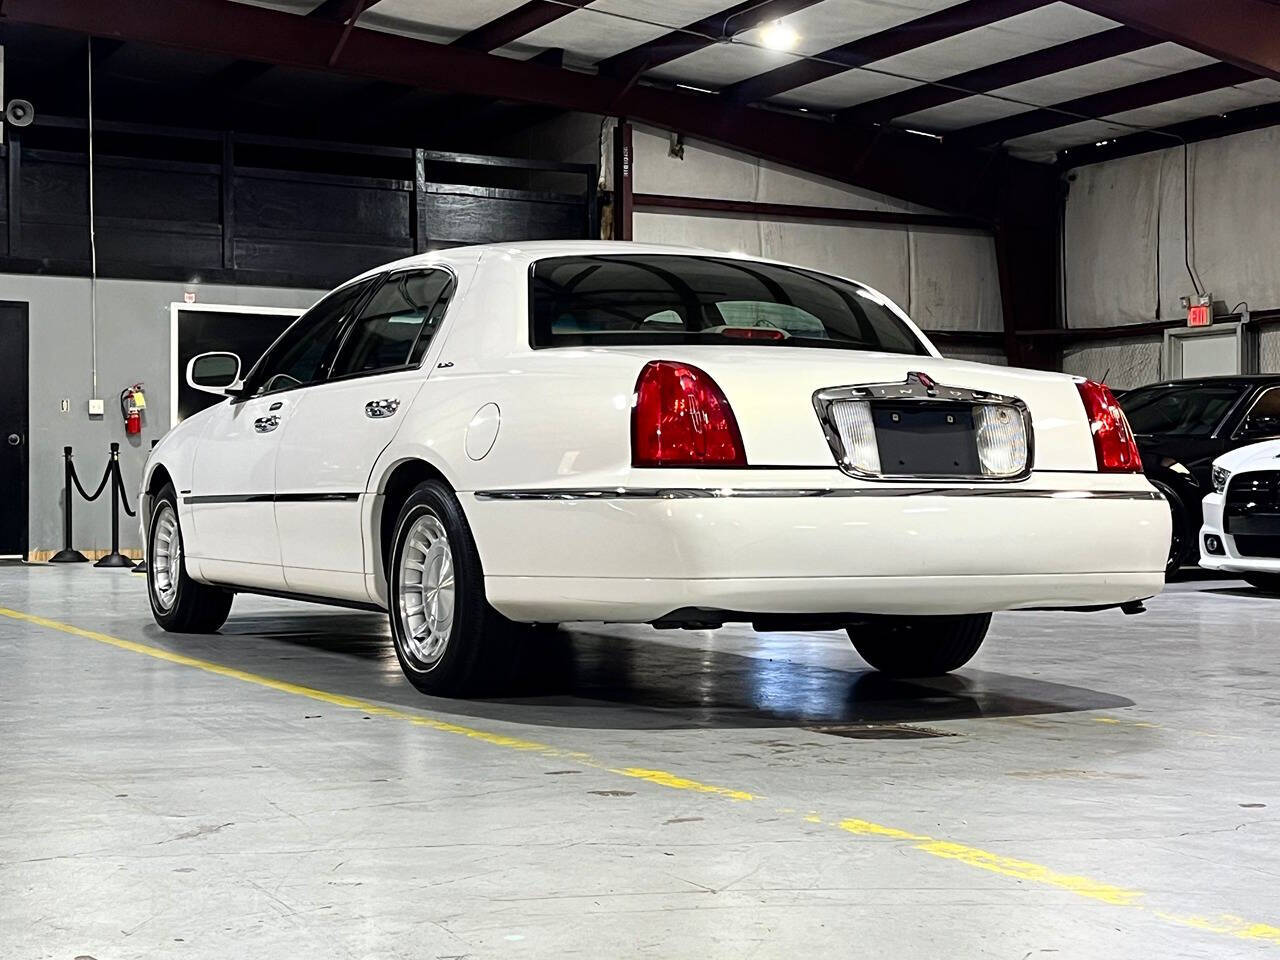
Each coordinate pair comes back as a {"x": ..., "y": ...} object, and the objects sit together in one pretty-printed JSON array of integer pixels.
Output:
[
  {"x": 488, "y": 438},
  {"x": 1241, "y": 532}
]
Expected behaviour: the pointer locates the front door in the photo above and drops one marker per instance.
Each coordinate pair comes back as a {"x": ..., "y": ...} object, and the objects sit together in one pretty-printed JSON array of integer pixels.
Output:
[
  {"x": 13, "y": 429},
  {"x": 231, "y": 500},
  {"x": 339, "y": 429},
  {"x": 233, "y": 487}
]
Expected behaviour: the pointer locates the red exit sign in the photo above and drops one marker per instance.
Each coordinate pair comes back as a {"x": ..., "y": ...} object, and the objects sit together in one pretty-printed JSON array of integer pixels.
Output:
[{"x": 1199, "y": 316}]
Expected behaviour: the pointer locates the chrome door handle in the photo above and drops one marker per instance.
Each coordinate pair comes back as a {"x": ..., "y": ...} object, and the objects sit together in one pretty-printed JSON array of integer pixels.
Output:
[
  {"x": 379, "y": 409},
  {"x": 266, "y": 424}
]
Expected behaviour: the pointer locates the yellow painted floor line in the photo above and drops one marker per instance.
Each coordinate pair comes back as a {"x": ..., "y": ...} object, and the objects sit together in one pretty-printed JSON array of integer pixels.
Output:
[{"x": 1226, "y": 925}]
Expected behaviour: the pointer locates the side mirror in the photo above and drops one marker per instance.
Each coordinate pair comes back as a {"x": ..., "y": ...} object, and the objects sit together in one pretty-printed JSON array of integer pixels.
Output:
[{"x": 216, "y": 372}]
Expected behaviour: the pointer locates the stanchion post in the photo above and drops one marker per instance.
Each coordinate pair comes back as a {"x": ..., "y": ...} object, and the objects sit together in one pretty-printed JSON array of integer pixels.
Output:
[
  {"x": 67, "y": 554},
  {"x": 115, "y": 558}
]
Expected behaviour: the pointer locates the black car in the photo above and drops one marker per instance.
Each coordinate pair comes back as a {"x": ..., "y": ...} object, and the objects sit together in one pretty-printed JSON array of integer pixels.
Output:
[{"x": 1182, "y": 425}]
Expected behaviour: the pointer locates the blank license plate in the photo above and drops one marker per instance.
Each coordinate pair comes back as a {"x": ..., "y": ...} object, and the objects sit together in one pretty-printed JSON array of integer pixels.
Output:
[{"x": 926, "y": 439}]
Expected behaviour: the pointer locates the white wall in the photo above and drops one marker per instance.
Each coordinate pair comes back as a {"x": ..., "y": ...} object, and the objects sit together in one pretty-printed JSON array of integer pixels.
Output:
[
  {"x": 1124, "y": 230},
  {"x": 133, "y": 345},
  {"x": 946, "y": 279},
  {"x": 1125, "y": 254}
]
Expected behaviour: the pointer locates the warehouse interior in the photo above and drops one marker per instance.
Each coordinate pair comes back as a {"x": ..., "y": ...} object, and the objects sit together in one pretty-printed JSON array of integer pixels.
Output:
[{"x": 1089, "y": 188}]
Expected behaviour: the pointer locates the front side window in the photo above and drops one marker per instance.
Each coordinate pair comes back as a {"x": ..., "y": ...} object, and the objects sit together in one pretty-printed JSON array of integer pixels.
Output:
[
  {"x": 669, "y": 298},
  {"x": 1179, "y": 410},
  {"x": 395, "y": 327},
  {"x": 305, "y": 351},
  {"x": 1263, "y": 419}
]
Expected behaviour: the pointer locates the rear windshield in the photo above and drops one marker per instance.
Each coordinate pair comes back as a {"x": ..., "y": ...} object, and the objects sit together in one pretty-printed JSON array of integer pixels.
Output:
[
  {"x": 669, "y": 298},
  {"x": 1179, "y": 410}
]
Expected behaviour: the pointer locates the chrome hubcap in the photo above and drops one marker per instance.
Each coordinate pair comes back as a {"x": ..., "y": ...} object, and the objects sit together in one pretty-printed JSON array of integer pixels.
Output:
[
  {"x": 426, "y": 590},
  {"x": 165, "y": 557}
]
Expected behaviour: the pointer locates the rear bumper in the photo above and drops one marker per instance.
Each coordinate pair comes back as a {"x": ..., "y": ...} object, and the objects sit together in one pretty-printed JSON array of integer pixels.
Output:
[{"x": 636, "y": 554}]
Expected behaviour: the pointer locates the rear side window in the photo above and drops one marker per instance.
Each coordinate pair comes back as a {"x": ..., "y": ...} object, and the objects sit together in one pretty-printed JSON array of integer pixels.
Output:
[
  {"x": 671, "y": 298},
  {"x": 396, "y": 326}
]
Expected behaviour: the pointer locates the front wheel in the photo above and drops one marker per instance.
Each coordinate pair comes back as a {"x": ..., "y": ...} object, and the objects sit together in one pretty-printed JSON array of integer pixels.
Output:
[
  {"x": 449, "y": 641},
  {"x": 920, "y": 646},
  {"x": 1266, "y": 582},
  {"x": 178, "y": 603}
]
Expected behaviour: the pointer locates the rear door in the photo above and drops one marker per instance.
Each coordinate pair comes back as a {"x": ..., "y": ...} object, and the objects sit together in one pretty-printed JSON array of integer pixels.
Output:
[
  {"x": 232, "y": 496},
  {"x": 341, "y": 427}
]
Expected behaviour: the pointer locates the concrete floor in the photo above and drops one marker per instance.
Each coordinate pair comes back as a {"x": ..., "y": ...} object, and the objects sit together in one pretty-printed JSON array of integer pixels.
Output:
[{"x": 1092, "y": 786}]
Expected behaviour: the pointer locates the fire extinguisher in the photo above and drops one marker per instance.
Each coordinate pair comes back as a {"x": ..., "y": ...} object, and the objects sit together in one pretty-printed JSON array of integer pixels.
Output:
[{"x": 132, "y": 402}]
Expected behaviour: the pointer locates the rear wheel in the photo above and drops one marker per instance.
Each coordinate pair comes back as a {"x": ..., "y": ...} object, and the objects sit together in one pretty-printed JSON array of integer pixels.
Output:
[
  {"x": 449, "y": 641},
  {"x": 920, "y": 646},
  {"x": 178, "y": 603},
  {"x": 1266, "y": 582}
]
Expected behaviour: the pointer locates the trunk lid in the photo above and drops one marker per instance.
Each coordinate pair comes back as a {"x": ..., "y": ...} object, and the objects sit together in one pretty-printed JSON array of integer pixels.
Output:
[{"x": 771, "y": 392}]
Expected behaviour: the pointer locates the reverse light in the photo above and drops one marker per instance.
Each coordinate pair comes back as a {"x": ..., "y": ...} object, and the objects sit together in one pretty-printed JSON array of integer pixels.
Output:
[
  {"x": 682, "y": 419},
  {"x": 1113, "y": 443}
]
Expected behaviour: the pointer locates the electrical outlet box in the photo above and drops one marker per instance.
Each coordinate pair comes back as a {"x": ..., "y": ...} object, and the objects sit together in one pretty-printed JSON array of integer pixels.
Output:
[{"x": 97, "y": 407}]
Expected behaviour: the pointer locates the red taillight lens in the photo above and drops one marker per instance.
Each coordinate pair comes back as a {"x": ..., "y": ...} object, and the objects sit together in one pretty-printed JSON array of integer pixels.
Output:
[
  {"x": 681, "y": 419},
  {"x": 1112, "y": 439}
]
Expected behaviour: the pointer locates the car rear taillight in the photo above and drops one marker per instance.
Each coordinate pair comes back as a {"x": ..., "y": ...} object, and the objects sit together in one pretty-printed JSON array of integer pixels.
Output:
[
  {"x": 1113, "y": 441},
  {"x": 682, "y": 419}
]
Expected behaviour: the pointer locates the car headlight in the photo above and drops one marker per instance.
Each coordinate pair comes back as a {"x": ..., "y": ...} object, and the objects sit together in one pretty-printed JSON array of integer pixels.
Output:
[{"x": 1220, "y": 477}]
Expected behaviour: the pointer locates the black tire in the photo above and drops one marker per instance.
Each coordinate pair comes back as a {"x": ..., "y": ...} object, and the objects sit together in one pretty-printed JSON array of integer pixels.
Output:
[
  {"x": 1266, "y": 582},
  {"x": 477, "y": 655},
  {"x": 920, "y": 646},
  {"x": 178, "y": 603},
  {"x": 1180, "y": 536}
]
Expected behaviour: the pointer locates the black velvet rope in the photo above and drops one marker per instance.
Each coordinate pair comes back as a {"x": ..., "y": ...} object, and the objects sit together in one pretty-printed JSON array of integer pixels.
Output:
[{"x": 106, "y": 475}]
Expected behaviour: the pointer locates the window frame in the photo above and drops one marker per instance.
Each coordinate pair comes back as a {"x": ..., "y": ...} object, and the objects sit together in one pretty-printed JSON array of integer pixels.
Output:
[
  {"x": 356, "y": 306},
  {"x": 908, "y": 326},
  {"x": 354, "y": 319},
  {"x": 1236, "y": 433}
]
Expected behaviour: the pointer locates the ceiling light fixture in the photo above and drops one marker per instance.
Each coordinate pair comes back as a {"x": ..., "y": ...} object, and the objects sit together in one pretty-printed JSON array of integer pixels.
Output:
[{"x": 779, "y": 36}]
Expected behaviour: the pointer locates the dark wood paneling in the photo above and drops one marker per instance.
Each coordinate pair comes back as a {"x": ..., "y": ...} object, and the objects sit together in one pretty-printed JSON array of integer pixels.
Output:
[
  {"x": 333, "y": 261},
  {"x": 312, "y": 224},
  {"x": 343, "y": 211},
  {"x": 461, "y": 214}
]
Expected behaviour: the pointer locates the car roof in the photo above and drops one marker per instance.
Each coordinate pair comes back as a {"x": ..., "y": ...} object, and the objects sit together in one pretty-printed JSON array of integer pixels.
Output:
[
  {"x": 528, "y": 251},
  {"x": 1239, "y": 380}
]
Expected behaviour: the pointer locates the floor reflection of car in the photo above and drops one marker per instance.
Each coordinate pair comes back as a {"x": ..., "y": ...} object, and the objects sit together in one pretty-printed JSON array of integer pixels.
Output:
[{"x": 1183, "y": 425}]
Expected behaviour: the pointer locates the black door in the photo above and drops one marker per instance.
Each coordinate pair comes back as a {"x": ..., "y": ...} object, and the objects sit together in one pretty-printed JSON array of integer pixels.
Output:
[{"x": 13, "y": 429}]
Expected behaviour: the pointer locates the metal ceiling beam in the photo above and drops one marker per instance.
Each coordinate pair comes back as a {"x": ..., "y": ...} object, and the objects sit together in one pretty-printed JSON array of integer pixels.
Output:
[
  {"x": 1074, "y": 53},
  {"x": 510, "y": 27},
  {"x": 1189, "y": 131},
  {"x": 878, "y": 46},
  {"x": 913, "y": 168},
  {"x": 1175, "y": 86},
  {"x": 340, "y": 11},
  {"x": 719, "y": 27},
  {"x": 1241, "y": 32}
]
